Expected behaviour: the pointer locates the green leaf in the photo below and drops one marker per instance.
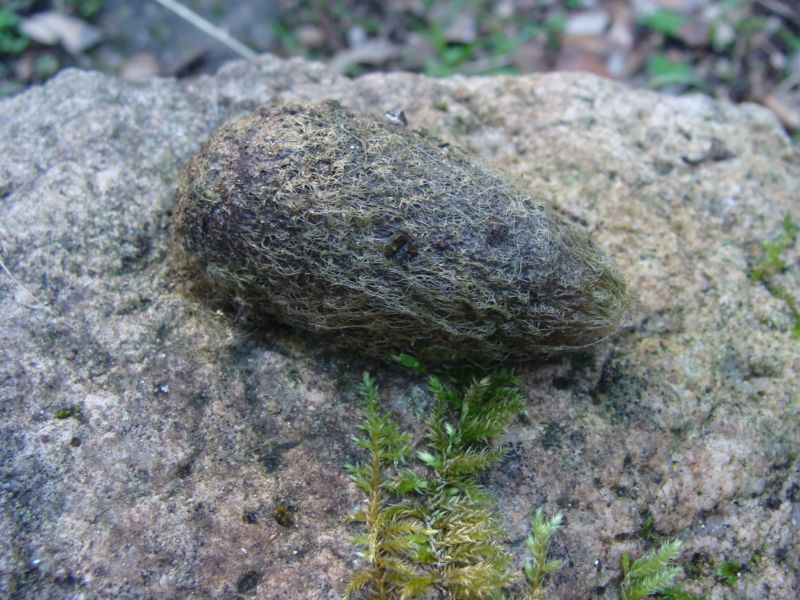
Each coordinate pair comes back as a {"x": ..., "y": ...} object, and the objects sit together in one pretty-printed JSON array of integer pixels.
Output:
[
  {"x": 409, "y": 362},
  {"x": 665, "y": 21},
  {"x": 556, "y": 23},
  {"x": 45, "y": 66},
  {"x": 8, "y": 19},
  {"x": 663, "y": 71},
  {"x": 87, "y": 8},
  {"x": 790, "y": 39}
]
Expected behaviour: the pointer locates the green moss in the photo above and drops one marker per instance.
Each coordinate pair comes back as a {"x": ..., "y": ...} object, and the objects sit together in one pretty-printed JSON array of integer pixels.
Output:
[
  {"x": 772, "y": 264},
  {"x": 538, "y": 542},
  {"x": 431, "y": 530},
  {"x": 68, "y": 411},
  {"x": 699, "y": 566},
  {"x": 283, "y": 514},
  {"x": 648, "y": 531},
  {"x": 679, "y": 594},
  {"x": 428, "y": 524},
  {"x": 758, "y": 556},
  {"x": 392, "y": 540},
  {"x": 728, "y": 572},
  {"x": 652, "y": 573},
  {"x": 552, "y": 436}
]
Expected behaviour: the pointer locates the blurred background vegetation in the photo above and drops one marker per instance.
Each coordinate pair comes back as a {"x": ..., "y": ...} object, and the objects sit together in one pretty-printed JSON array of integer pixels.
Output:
[{"x": 739, "y": 50}]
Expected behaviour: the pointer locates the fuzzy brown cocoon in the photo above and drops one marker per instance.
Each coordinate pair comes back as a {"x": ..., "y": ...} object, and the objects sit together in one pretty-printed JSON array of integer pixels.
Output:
[{"x": 389, "y": 241}]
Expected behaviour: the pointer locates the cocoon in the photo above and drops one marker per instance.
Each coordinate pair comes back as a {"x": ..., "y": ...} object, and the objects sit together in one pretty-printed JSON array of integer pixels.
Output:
[{"x": 388, "y": 241}]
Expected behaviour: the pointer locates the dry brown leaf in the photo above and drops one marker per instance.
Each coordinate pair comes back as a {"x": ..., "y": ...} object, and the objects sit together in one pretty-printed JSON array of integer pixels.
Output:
[
  {"x": 50, "y": 28},
  {"x": 786, "y": 107},
  {"x": 371, "y": 52}
]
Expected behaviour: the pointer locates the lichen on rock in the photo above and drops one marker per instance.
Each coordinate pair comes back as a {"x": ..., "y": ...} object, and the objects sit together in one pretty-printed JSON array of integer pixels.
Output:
[{"x": 389, "y": 240}]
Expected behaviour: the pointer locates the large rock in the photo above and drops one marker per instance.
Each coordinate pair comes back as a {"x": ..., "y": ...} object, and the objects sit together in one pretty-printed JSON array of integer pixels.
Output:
[{"x": 148, "y": 437}]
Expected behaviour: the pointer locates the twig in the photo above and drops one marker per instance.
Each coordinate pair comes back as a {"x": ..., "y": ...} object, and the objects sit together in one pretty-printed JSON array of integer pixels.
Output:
[
  {"x": 209, "y": 28},
  {"x": 787, "y": 84},
  {"x": 41, "y": 304}
]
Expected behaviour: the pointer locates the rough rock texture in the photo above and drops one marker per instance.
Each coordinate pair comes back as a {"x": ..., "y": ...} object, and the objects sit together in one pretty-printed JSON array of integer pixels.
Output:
[{"x": 146, "y": 438}]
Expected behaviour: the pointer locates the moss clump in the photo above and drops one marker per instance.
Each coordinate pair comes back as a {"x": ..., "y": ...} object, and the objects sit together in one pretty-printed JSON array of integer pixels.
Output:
[
  {"x": 429, "y": 526},
  {"x": 283, "y": 513},
  {"x": 729, "y": 572},
  {"x": 772, "y": 265},
  {"x": 538, "y": 542},
  {"x": 66, "y": 412},
  {"x": 388, "y": 240},
  {"x": 431, "y": 531},
  {"x": 653, "y": 573}
]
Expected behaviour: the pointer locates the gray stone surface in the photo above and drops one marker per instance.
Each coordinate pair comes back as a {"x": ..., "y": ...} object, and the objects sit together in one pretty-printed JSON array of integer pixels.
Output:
[{"x": 186, "y": 430}]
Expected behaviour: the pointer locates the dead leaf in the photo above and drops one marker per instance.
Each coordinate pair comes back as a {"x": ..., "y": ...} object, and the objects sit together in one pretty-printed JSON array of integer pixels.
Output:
[
  {"x": 584, "y": 53},
  {"x": 530, "y": 58},
  {"x": 51, "y": 28},
  {"x": 623, "y": 23},
  {"x": 716, "y": 152},
  {"x": 588, "y": 23},
  {"x": 694, "y": 33},
  {"x": 787, "y": 108},
  {"x": 588, "y": 54},
  {"x": 463, "y": 29},
  {"x": 371, "y": 52},
  {"x": 310, "y": 36},
  {"x": 140, "y": 67}
]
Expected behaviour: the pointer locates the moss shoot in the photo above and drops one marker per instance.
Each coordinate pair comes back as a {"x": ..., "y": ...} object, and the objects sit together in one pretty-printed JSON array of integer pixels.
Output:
[{"x": 387, "y": 241}]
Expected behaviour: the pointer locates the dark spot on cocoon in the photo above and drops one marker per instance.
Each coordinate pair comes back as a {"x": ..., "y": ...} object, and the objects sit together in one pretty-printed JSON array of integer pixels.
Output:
[
  {"x": 496, "y": 234},
  {"x": 401, "y": 248}
]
